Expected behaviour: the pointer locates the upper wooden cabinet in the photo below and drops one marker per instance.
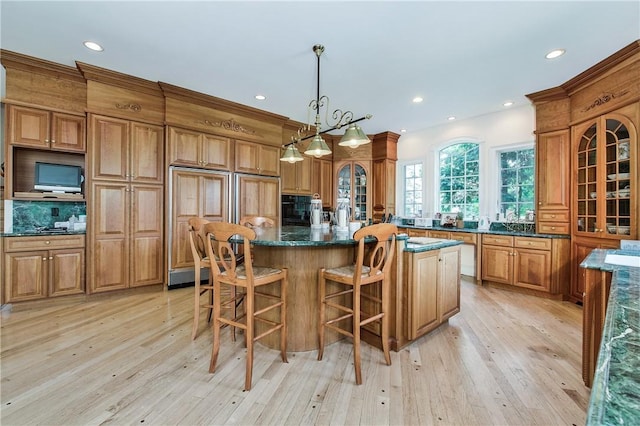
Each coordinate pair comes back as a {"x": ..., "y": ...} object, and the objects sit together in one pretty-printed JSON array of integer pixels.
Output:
[
  {"x": 606, "y": 170},
  {"x": 296, "y": 177},
  {"x": 126, "y": 151},
  {"x": 322, "y": 181},
  {"x": 199, "y": 150},
  {"x": 256, "y": 158},
  {"x": 257, "y": 196},
  {"x": 38, "y": 128},
  {"x": 352, "y": 181},
  {"x": 553, "y": 165}
]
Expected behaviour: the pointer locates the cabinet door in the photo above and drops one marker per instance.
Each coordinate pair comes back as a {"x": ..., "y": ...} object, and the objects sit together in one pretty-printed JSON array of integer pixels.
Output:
[
  {"x": 384, "y": 185},
  {"x": 247, "y": 156},
  {"x": 146, "y": 235},
  {"x": 109, "y": 248},
  {"x": 422, "y": 293},
  {"x": 270, "y": 199},
  {"x": 269, "y": 160},
  {"x": 29, "y": 126},
  {"x": 68, "y": 132},
  {"x": 25, "y": 276},
  {"x": 449, "y": 283},
  {"x": 66, "y": 269},
  {"x": 532, "y": 269},
  {"x": 109, "y": 148},
  {"x": 322, "y": 179},
  {"x": 184, "y": 147},
  {"x": 581, "y": 247},
  {"x": 258, "y": 197},
  {"x": 288, "y": 176},
  {"x": 497, "y": 264},
  {"x": 146, "y": 154},
  {"x": 216, "y": 152},
  {"x": 553, "y": 171}
]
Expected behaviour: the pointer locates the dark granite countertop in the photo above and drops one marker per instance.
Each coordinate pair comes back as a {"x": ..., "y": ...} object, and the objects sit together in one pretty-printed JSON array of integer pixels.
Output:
[
  {"x": 488, "y": 231},
  {"x": 40, "y": 233},
  {"x": 615, "y": 394}
]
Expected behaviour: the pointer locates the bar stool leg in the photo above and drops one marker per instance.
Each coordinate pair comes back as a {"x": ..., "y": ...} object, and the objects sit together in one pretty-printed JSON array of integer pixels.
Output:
[
  {"x": 196, "y": 312},
  {"x": 283, "y": 316},
  {"x": 216, "y": 328},
  {"x": 356, "y": 334},
  {"x": 321, "y": 295},
  {"x": 249, "y": 302},
  {"x": 385, "y": 320}
]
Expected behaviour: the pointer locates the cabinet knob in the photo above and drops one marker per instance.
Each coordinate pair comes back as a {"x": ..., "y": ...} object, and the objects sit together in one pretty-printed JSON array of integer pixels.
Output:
[
  {"x": 53, "y": 141},
  {"x": 553, "y": 228},
  {"x": 50, "y": 257},
  {"x": 539, "y": 203},
  {"x": 46, "y": 140},
  {"x": 553, "y": 215},
  {"x": 44, "y": 259},
  {"x": 47, "y": 242}
]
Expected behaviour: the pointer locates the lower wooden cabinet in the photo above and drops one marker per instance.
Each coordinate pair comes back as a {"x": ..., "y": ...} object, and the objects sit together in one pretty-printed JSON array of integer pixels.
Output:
[
  {"x": 432, "y": 289},
  {"x": 539, "y": 264},
  {"x": 596, "y": 296},
  {"x": 580, "y": 249},
  {"x": 48, "y": 266}
]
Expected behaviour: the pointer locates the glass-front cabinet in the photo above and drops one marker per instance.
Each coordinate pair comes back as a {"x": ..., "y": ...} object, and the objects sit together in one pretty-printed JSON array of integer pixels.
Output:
[
  {"x": 606, "y": 171},
  {"x": 352, "y": 182}
]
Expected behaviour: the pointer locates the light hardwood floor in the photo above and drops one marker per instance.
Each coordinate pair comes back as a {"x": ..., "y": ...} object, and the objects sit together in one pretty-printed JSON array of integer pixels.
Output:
[{"x": 506, "y": 359}]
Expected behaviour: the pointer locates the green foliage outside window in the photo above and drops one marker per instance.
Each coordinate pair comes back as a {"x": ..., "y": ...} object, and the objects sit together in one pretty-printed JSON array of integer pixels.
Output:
[
  {"x": 460, "y": 179},
  {"x": 517, "y": 182},
  {"x": 413, "y": 190}
]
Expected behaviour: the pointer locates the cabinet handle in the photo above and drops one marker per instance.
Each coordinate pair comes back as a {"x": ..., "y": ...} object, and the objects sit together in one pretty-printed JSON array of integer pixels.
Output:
[
  {"x": 46, "y": 140},
  {"x": 539, "y": 203},
  {"x": 53, "y": 141},
  {"x": 50, "y": 257},
  {"x": 44, "y": 259},
  {"x": 553, "y": 215},
  {"x": 47, "y": 242},
  {"x": 553, "y": 228}
]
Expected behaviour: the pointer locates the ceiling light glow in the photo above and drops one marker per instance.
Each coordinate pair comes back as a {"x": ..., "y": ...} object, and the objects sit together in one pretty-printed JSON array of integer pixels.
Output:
[
  {"x": 417, "y": 100},
  {"x": 261, "y": 97},
  {"x": 451, "y": 118},
  {"x": 403, "y": 130},
  {"x": 508, "y": 103},
  {"x": 555, "y": 53},
  {"x": 92, "y": 45}
]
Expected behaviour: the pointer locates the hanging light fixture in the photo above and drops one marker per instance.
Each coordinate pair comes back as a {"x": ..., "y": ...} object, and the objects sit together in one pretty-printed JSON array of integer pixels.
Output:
[{"x": 353, "y": 137}]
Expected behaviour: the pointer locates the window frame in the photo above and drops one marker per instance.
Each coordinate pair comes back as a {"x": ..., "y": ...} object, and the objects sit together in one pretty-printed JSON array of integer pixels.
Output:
[
  {"x": 498, "y": 151},
  {"x": 403, "y": 187},
  {"x": 438, "y": 180}
]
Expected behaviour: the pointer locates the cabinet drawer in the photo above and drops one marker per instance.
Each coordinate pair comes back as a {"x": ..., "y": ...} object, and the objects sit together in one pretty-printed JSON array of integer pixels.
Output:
[
  {"x": 533, "y": 243},
  {"x": 43, "y": 243},
  {"x": 465, "y": 237},
  {"x": 417, "y": 233},
  {"x": 439, "y": 234},
  {"x": 553, "y": 216},
  {"x": 498, "y": 240},
  {"x": 553, "y": 228}
]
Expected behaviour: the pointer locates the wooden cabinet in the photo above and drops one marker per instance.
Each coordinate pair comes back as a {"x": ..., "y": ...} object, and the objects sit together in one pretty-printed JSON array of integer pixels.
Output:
[
  {"x": 553, "y": 165},
  {"x": 539, "y": 264},
  {"x": 352, "y": 180},
  {"x": 432, "y": 292},
  {"x": 199, "y": 150},
  {"x": 322, "y": 181},
  {"x": 256, "y": 158},
  {"x": 126, "y": 151},
  {"x": 257, "y": 196},
  {"x": 42, "y": 129},
  {"x": 297, "y": 177},
  {"x": 126, "y": 204},
  {"x": 194, "y": 194},
  {"x": 596, "y": 296},
  {"x": 384, "y": 187},
  {"x": 580, "y": 249},
  {"x": 43, "y": 266}
]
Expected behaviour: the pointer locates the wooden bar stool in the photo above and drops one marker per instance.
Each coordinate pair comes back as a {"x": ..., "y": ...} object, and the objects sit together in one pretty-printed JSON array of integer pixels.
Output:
[
  {"x": 369, "y": 268},
  {"x": 197, "y": 237},
  {"x": 227, "y": 271},
  {"x": 257, "y": 222}
]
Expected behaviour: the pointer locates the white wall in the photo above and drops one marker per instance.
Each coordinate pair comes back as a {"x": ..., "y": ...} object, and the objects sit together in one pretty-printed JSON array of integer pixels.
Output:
[{"x": 510, "y": 128}]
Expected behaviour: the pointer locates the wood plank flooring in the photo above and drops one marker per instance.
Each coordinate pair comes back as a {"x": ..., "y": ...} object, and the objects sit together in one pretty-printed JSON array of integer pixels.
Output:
[{"x": 506, "y": 359}]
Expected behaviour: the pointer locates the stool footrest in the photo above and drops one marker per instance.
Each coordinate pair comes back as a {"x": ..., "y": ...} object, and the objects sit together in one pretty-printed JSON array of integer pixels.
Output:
[
  {"x": 338, "y": 329},
  {"x": 338, "y": 306}
]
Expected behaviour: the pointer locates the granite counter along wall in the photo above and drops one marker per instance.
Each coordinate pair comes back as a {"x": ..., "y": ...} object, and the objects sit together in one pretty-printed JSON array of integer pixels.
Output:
[{"x": 28, "y": 215}]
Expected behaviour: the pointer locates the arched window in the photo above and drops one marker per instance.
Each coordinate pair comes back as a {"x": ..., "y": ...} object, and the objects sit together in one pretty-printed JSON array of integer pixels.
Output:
[{"x": 460, "y": 179}]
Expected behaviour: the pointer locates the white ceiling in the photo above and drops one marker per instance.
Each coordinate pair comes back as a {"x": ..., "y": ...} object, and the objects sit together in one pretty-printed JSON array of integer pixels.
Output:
[{"x": 465, "y": 58}]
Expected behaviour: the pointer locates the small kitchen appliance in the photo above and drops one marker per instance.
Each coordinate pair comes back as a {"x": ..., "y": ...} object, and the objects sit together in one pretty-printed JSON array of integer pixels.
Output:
[{"x": 423, "y": 222}]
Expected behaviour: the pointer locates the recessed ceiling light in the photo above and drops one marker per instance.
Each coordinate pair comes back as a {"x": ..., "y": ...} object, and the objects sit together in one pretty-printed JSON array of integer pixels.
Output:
[
  {"x": 403, "y": 130},
  {"x": 93, "y": 46},
  {"x": 508, "y": 103},
  {"x": 555, "y": 53},
  {"x": 261, "y": 97},
  {"x": 417, "y": 100},
  {"x": 451, "y": 118}
]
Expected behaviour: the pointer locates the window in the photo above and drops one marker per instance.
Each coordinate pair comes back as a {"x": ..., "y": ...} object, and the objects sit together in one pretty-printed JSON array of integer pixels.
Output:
[
  {"x": 413, "y": 190},
  {"x": 517, "y": 175},
  {"x": 460, "y": 179}
]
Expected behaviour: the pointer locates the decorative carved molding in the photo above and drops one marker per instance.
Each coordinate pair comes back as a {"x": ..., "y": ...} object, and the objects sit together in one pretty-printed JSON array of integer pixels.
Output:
[
  {"x": 603, "y": 99},
  {"x": 229, "y": 124},
  {"x": 132, "y": 107}
]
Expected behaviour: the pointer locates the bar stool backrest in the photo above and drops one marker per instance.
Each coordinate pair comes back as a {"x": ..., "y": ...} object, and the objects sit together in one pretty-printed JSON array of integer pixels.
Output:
[
  {"x": 379, "y": 258},
  {"x": 219, "y": 247}
]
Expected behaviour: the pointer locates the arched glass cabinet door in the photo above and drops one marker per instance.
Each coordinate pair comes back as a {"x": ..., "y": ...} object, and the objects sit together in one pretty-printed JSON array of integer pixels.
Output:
[
  {"x": 606, "y": 178},
  {"x": 352, "y": 184}
]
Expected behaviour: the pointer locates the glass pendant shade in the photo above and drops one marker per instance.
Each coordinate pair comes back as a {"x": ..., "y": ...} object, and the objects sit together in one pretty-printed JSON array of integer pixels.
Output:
[
  {"x": 318, "y": 147},
  {"x": 354, "y": 137},
  {"x": 291, "y": 154}
]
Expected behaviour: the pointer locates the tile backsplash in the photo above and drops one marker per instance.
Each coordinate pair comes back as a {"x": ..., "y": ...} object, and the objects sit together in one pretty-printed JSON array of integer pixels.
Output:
[{"x": 30, "y": 214}]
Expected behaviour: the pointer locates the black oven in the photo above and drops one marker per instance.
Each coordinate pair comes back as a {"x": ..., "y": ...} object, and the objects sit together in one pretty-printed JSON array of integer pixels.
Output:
[{"x": 295, "y": 210}]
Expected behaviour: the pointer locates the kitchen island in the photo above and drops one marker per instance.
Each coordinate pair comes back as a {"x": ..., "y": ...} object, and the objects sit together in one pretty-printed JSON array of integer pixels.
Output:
[{"x": 304, "y": 251}]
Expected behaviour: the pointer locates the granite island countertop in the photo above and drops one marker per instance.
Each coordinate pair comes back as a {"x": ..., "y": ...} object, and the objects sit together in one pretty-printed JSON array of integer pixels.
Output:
[
  {"x": 304, "y": 236},
  {"x": 487, "y": 231},
  {"x": 615, "y": 394}
]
